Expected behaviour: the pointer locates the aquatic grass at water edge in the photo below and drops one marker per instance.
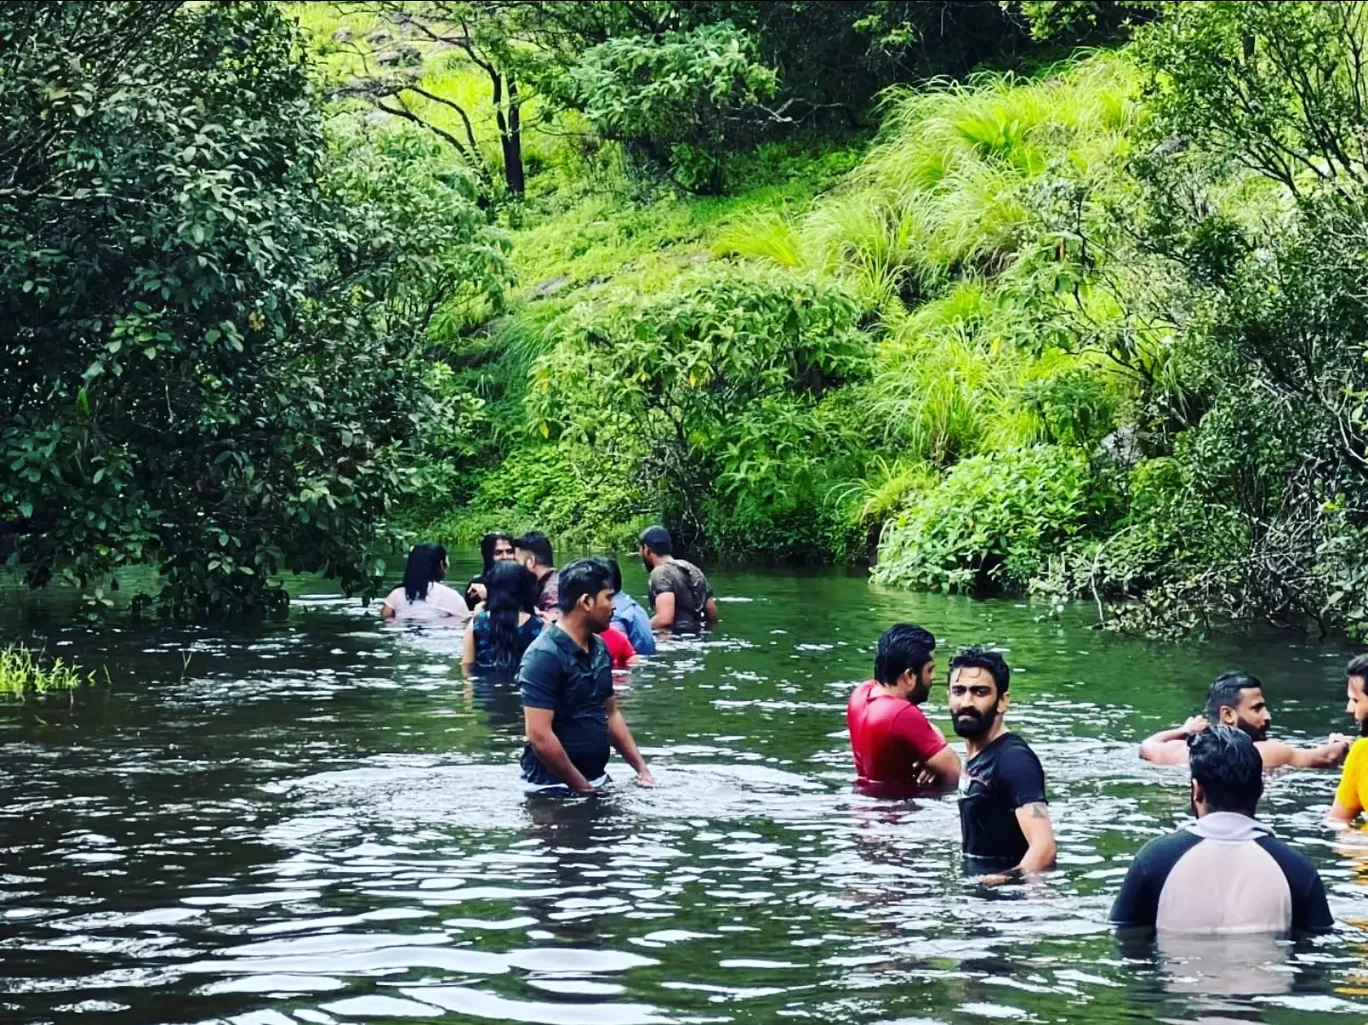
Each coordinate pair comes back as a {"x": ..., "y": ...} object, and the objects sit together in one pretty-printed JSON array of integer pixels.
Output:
[{"x": 22, "y": 674}]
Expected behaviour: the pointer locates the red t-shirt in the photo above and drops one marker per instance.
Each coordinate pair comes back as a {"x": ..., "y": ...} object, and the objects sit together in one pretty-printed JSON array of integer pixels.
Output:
[
  {"x": 619, "y": 647},
  {"x": 889, "y": 736}
]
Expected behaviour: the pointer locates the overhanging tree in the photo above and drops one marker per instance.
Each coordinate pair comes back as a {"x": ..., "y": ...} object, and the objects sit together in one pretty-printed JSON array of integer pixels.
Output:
[{"x": 212, "y": 354}]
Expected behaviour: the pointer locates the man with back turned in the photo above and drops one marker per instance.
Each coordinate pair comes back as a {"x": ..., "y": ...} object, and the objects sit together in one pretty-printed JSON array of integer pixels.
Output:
[
  {"x": 680, "y": 593},
  {"x": 1226, "y": 873}
]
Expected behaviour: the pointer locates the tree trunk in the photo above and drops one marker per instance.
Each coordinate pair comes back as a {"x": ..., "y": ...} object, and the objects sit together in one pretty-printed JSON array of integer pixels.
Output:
[
  {"x": 512, "y": 142},
  {"x": 510, "y": 134}
]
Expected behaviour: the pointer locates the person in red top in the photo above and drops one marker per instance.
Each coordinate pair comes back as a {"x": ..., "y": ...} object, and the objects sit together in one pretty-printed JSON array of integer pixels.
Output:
[
  {"x": 895, "y": 746},
  {"x": 619, "y": 647}
]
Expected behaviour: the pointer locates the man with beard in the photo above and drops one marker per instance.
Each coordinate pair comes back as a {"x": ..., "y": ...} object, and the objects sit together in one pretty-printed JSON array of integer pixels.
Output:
[
  {"x": 896, "y": 748},
  {"x": 680, "y": 594},
  {"x": 1225, "y": 873},
  {"x": 566, "y": 675},
  {"x": 1004, "y": 815},
  {"x": 1237, "y": 699},
  {"x": 1351, "y": 797}
]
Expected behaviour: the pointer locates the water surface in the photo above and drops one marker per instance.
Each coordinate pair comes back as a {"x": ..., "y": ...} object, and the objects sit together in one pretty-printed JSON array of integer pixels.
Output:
[{"x": 320, "y": 821}]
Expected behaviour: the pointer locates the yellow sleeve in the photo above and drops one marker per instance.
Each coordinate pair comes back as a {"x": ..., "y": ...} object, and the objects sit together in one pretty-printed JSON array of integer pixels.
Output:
[{"x": 1353, "y": 782}]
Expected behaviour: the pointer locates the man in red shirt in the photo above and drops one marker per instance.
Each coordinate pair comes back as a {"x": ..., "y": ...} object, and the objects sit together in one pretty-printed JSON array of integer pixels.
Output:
[{"x": 896, "y": 747}]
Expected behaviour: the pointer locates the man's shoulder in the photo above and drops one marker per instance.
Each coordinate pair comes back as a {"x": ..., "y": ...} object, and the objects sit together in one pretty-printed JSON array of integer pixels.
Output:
[
  {"x": 1015, "y": 751},
  {"x": 1159, "y": 855},
  {"x": 665, "y": 571},
  {"x": 860, "y": 694},
  {"x": 1294, "y": 863},
  {"x": 544, "y": 647}
]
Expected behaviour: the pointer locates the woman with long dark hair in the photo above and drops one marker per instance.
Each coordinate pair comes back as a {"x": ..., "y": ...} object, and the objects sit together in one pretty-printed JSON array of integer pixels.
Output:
[
  {"x": 496, "y": 546},
  {"x": 501, "y": 632},
  {"x": 423, "y": 596}
]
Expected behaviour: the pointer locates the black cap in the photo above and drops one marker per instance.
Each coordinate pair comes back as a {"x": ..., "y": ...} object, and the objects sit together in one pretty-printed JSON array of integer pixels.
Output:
[{"x": 654, "y": 537}]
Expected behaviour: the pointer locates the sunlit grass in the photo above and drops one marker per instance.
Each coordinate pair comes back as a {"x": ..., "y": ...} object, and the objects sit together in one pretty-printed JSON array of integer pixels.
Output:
[{"x": 24, "y": 674}]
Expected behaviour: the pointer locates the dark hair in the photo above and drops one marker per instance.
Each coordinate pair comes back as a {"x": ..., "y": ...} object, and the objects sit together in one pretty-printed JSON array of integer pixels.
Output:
[
  {"x": 487, "y": 544},
  {"x": 976, "y": 657},
  {"x": 1227, "y": 765},
  {"x": 1225, "y": 692},
  {"x": 657, "y": 539},
  {"x": 903, "y": 647},
  {"x": 509, "y": 586},
  {"x": 424, "y": 566},
  {"x": 1358, "y": 666},
  {"x": 616, "y": 571},
  {"x": 581, "y": 577},
  {"x": 537, "y": 543}
]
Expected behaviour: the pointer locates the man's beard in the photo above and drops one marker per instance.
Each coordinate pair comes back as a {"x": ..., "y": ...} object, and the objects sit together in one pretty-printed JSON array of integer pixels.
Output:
[
  {"x": 1363, "y": 728},
  {"x": 970, "y": 722},
  {"x": 919, "y": 693},
  {"x": 1255, "y": 733}
]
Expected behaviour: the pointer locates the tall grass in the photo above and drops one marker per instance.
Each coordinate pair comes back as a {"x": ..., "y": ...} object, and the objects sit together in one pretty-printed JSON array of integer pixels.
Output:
[
  {"x": 947, "y": 187},
  {"x": 22, "y": 674}
]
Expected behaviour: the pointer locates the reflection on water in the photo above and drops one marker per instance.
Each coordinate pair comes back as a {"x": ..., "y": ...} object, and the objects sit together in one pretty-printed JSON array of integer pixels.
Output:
[{"x": 321, "y": 822}]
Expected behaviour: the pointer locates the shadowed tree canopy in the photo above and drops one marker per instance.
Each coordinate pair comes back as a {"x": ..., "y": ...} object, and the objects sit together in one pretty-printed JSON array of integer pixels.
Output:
[{"x": 211, "y": 347}]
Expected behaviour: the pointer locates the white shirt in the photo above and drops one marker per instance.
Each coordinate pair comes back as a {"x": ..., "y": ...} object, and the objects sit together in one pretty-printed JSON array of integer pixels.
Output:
[{"x": 441, "y": 603}]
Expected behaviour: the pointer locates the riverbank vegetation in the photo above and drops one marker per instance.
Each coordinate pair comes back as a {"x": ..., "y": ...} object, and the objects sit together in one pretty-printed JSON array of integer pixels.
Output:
[
  {"x": 24, "y": 674},
  {"x": 816, "y": 282}
]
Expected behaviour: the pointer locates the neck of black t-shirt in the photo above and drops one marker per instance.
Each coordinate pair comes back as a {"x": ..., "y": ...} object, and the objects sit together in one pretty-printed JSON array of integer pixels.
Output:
[
  {"x": 974, "y": 747},
  {"x": 577, "y": 629}
]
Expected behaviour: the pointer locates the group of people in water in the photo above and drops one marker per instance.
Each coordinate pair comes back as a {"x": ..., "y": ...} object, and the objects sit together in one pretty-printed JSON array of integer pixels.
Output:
[
  {"x": 564, "y": 631},
  {"x": 1224, "y": 873}
]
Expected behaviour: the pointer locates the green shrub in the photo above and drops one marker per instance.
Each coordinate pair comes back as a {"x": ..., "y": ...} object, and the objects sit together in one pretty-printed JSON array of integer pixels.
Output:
[
  {"x": 994, "y": 522},
  {"x": 679, "y": 100},
  {"x": 577, "y": 495},
  {"x": 721, "y": 387}
]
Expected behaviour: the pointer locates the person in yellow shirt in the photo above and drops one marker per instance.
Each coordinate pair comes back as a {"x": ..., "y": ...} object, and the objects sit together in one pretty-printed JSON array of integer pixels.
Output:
[{"x": 1351, "y": 798}]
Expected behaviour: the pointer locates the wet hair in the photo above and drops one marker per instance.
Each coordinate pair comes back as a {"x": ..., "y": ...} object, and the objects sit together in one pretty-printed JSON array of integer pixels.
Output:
[
  {"x": 903, "y": 647},
  {"x": 581, "y": 577},
  {"x": 657, "y": 540},
  {"x": 424, "y": 567},
  {"x": 977, "y": 657},
  {"x": 539, "y": 545},
  {"x": 1225, "y": 692},
  {"x": 1358, "y": 666},
  {"x": 616, "y": 571},
  {"x": 1227, "y": 765},
  {"x": 509, "y": 585},
  {"x": 487, "y": 544}
]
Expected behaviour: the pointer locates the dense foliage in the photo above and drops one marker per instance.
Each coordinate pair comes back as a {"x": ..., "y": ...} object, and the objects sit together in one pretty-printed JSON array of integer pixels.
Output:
[
  {"x": 1089, "y": 329},
  {"x": 211, "y": 317},
  {"x": 715, "y": 392}
]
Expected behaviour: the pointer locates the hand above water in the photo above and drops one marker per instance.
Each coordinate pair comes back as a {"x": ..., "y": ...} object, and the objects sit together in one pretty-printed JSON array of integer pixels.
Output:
[
  {"x": 1195, "y": 724},
  {"x": 1340, "y": 739}
]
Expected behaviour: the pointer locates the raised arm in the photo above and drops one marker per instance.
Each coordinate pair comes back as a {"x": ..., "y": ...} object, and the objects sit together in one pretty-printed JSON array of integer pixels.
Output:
[
  {"x": 1161, "y": 748},
  {"x": 537, "y": 723},
  {"x": 1329, "y": 755}
]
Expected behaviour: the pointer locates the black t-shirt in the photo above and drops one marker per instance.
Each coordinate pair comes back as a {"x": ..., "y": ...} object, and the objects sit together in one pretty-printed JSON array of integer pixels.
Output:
[
  {"x": 1004, "y": 776},
  {"x": 556, "y": 673}
]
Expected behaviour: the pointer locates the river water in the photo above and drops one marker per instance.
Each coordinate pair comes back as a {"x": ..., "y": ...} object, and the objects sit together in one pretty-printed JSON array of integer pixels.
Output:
[{"x": 320, "y": 821}]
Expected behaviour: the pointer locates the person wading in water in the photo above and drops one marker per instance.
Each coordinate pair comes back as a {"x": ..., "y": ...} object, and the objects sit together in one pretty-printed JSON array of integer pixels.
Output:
[{"x": 1004, "y": 816}]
